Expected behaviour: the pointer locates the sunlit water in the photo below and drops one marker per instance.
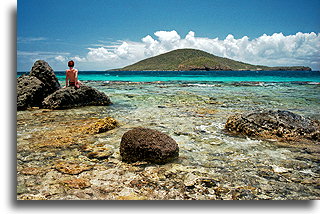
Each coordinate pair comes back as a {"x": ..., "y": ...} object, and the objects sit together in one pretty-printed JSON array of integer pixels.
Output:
[
  {"x": 193, "y": 113},
  {"x": 196, "y": 76}
]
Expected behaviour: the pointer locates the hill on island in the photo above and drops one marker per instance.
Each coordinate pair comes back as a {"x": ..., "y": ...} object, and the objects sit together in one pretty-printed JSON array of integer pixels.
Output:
[{"x": 192, "y": 59}]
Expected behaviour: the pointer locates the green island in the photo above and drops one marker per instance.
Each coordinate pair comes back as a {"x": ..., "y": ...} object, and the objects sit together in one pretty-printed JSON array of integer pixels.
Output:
[{"x": 192, "y": 59}]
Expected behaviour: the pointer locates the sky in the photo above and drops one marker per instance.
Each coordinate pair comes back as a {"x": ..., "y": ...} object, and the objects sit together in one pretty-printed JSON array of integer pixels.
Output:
[{"x": 106, "y": 34}]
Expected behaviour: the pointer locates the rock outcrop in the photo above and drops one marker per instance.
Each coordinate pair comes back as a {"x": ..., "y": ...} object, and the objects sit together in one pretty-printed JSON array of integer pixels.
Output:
[
  {"x": 270, "y": 124},
  {"x": 33, "y": 88},
  {"x": 71, "y": 97},
  {"x": 42, "y": 70},
  {"x": 29, "y": 92},
  {"x": 41, "y": 88},
  {"x": 143, "y": 144}
]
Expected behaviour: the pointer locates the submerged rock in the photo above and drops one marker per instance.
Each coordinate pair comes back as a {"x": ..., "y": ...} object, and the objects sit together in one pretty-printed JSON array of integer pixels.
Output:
[
  {"x": 71, "y": 97},
  {"x": 76, "y": 183},
  {"x": 99, "y": 152},
  {"x": 143, "y": 144},
  {"x": 72, "y": 168},
  {"x": 274, "y": 124},
  {"x": 102, "y": 125}
]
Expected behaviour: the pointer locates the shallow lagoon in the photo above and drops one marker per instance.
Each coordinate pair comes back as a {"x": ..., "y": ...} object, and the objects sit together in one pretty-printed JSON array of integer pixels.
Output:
[{"x": 212, "y": 163}]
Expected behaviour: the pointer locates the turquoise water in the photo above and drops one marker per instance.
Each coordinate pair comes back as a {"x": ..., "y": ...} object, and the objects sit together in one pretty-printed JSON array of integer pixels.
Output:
[{"x": 194, "y": 76}]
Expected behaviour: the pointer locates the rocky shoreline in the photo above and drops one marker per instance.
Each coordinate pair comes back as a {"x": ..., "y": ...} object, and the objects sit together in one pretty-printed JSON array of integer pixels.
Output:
[
  {"x": 42, "y": 89},
  {"x": 221, "y": 68},
  {"x": 86, "y": 154}
]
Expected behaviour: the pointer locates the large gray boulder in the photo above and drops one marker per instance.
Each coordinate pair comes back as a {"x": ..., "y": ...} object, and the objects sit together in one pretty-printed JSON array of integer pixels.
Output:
[
  {"x": 271, "y": 124},
  {"x": 33, "y": 88},
  {"x": 143, "y": 144},
  {"x": 71, "y": 97},
  {"x": 42, "y": 70},
  {"x": 29, "y": 92}
]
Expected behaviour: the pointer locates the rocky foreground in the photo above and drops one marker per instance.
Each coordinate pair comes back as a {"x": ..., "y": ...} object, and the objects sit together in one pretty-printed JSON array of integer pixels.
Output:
[
  {"x": 77, "y": 154},
  {"x": 91, "y": 159}
]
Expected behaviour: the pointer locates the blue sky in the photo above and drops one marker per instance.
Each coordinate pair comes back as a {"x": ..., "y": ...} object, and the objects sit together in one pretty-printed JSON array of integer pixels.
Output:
[{"x": 104, "y": 34}]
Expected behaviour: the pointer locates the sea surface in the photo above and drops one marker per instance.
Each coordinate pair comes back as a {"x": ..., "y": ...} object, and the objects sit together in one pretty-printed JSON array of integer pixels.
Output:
[
  {"x": 191, "y": 107},
  {"x": 224, "y": 76}
]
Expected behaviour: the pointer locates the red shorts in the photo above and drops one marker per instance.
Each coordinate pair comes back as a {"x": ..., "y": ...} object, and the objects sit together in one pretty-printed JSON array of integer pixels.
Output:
[{"x": 72, "y": 84}]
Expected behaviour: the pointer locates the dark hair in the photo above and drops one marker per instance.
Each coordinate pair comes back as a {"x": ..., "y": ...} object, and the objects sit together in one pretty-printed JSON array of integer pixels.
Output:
[{"x": 71, "y": 63}]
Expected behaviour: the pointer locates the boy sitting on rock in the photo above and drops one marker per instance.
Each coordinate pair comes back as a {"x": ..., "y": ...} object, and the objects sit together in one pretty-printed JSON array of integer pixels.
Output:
[{"x": 72, "y": 76}]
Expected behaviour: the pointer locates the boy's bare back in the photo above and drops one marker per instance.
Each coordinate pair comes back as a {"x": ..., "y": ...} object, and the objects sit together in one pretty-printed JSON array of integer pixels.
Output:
[{"x": 72, "y": 74}]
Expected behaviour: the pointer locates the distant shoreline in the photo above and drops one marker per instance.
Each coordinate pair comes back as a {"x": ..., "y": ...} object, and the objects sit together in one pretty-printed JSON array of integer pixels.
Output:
[{"x": 302, "y": 68}]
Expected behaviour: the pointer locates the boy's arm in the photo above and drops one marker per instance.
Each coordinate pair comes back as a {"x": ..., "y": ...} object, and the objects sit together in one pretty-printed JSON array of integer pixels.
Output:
[
  {"x": 76, "y": 76},
  {"x": 67, "y": 78}
]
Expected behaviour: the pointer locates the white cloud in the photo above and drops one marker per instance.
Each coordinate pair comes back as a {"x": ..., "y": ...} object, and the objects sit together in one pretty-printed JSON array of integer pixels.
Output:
[
  {"x": 272, "y": 50},
  {"x": 79, "y": 59},
  {"x": 168, "y": 36},
  {"x": 122, "y": 50},
  {"x": 55, "y": 59},
  {"x": 150, "y": 46},
  {"x": 41, "y": 53},
  {"x": 60, "y": 58},
  {"x": 100, "y": 54},
  {"x": 120, "y": 55},
  {"x": 49, "y": 56},
  {"x": 30, "y": 39},
  {"x": 168, "y": 40}
]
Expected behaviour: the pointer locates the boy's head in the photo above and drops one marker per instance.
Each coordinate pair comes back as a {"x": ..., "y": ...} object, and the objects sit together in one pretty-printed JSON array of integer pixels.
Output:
[{"x": 71, "y": 64}]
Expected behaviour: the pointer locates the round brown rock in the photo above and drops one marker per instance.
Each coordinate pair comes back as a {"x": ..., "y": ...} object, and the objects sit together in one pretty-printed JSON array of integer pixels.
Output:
[{"x": 143, "y": 144}]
